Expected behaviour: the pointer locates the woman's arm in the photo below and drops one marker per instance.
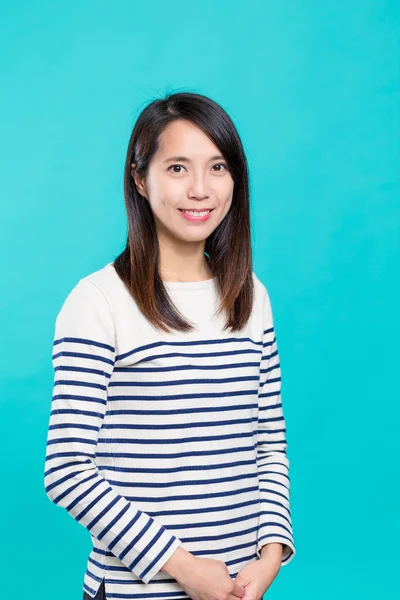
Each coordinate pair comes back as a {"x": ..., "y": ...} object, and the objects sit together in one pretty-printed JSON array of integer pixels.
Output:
[
  {"x": 275, "y": 523},
  {"x": 83, "y": 360}
]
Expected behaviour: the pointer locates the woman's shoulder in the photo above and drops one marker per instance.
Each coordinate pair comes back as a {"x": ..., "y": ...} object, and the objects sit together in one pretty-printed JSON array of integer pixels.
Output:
[
  {"x": 105, "y": 280},
  {"x": 262, "y": 299},
  {"x": 95, "y": 289},
  {"x": 259, "y": 287}
]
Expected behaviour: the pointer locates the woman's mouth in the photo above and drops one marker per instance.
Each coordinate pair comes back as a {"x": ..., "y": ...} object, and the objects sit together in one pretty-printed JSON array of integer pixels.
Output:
[{"x": 196, "y": 215}]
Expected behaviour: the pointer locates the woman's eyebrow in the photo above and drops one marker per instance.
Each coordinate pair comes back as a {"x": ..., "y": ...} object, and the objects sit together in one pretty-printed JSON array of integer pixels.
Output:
[{"x": 185, "y": 159}]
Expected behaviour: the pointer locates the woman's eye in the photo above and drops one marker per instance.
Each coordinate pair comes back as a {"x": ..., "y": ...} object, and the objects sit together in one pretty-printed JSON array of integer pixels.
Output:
[
  {"x": 174, "y": 166},
  {"x": 221, "y": 165}
]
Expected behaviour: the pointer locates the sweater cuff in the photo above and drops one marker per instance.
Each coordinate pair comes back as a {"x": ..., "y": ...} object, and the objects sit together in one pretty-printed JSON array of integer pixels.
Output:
[
  {"x": 288, "y": 550},
  {"x": 155, "y": 566}
]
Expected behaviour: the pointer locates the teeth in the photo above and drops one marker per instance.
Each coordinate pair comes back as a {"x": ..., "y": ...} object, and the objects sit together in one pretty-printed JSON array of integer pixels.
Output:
[{"x": 196, "y": 213}]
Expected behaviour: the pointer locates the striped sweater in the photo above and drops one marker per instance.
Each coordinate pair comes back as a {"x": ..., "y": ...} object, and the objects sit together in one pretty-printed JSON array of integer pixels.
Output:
[{"x": 157, "y": 440}]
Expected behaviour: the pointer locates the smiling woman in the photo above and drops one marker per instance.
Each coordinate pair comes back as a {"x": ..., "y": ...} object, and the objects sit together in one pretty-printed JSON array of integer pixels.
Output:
[
  {"x": 185, "y": 157},
  {"x": 167, "y": 438}
]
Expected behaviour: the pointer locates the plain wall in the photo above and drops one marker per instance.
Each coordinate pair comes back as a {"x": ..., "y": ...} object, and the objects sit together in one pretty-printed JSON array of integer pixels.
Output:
[{"x": 313, "y": 88}]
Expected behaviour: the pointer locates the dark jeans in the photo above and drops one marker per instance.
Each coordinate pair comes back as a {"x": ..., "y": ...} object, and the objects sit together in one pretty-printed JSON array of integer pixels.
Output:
[{"x": 101, "y": 593}]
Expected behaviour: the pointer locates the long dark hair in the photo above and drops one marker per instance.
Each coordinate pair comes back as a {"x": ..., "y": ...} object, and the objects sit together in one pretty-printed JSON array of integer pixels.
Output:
[{"x": 228, "y": 247}]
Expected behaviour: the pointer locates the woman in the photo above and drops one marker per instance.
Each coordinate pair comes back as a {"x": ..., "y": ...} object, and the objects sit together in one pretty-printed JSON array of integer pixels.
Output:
[{"x": 167, "y": 436}]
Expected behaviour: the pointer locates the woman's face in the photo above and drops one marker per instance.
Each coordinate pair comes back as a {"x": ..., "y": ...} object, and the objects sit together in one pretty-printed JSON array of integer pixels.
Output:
[{"x": 187, "y": 172}]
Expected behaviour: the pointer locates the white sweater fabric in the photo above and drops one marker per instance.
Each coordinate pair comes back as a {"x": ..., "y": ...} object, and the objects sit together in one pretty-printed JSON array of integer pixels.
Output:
[{"x": 158, "y": 440}]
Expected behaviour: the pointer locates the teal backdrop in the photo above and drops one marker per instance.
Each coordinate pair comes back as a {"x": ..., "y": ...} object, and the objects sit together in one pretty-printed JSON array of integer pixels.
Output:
[{"x": 313, "y": 87}]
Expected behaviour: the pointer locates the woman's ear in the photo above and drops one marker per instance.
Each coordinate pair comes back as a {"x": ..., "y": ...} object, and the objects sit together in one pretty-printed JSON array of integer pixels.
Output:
[{"x": 138, "y": 181}]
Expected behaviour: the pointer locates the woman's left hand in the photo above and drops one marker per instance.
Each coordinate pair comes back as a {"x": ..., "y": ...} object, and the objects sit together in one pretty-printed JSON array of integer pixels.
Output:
[{"x": 257, "y": 576}]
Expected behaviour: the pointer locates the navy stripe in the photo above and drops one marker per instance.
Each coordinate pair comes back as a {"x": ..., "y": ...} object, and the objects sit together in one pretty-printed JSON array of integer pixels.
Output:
[
  {"x": 87, "y": 342},
  {"x": 65, "y": 355},
  {"x": 204, "y": 342}
]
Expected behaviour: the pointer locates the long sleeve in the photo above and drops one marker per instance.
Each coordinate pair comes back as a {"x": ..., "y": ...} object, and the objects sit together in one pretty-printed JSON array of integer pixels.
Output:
[
  {"x": 83, "y": 361},
  {"x": 275, "y": 523}
]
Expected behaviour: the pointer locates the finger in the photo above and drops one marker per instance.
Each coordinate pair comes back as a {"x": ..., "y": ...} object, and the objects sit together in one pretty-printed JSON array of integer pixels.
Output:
[
  {"x": 233, "y": 596},
  {"x": 238, "y": 590}
]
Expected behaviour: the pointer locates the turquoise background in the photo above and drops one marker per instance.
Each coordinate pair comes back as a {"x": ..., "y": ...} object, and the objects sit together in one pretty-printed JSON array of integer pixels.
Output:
[{"x": 314, "y": 90}]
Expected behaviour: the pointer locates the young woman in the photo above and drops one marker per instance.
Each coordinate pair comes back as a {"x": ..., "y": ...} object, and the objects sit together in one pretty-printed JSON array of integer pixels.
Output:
[{"x": 167, "y": 435}]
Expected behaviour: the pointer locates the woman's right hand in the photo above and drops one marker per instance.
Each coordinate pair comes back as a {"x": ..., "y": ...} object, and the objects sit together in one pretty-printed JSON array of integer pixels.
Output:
[{"x": 204, "y": 578}]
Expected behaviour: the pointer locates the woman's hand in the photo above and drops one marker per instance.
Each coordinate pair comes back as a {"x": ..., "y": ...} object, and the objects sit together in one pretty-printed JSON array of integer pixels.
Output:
[
  {"x": 257, "y": 576},
  {"x": 203, "y": 578},
  {"x": 209, "y": 579}
]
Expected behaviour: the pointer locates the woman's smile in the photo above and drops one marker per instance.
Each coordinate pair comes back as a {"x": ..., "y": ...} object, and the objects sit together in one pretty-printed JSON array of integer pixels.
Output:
[{"x": 196, "y": 215}]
